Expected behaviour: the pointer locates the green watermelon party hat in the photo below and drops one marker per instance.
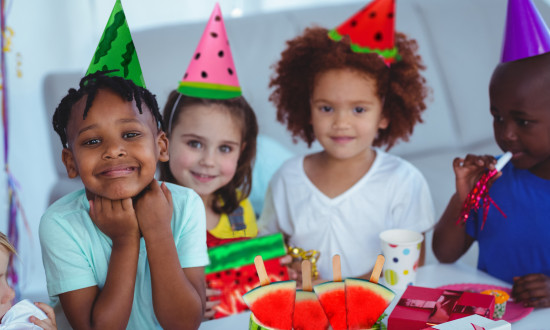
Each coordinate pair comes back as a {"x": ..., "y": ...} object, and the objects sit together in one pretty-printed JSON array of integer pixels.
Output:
[
  {"x": 371, "y": 30},
  {"x": 211, "y": 73},
  {"x": 116, "y": 50}
]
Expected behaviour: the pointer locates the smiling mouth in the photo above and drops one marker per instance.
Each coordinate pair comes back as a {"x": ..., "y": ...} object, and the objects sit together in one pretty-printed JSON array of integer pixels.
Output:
[
  {"x": 119, "y": 171},
  {"x": 341, "y": 139},
  {"x": 202, "y": 177}
]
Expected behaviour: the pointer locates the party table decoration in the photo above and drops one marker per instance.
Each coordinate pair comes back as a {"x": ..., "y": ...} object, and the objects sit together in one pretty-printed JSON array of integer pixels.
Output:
[{"x": 473, "y": 322}]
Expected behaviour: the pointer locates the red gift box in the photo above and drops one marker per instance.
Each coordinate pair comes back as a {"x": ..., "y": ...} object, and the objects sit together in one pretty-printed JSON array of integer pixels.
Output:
[{"x": 421, "y": 307}]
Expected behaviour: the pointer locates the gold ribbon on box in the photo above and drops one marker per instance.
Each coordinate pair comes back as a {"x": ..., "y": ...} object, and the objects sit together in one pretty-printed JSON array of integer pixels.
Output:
[
  {"x": 444, "y": 306},
  {"x": 311, "y": 255}
]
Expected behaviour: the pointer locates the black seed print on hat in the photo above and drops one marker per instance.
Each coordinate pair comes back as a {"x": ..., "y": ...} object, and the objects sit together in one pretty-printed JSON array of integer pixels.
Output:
[
  {"x": 218, "y": 18},
  {"x": 390, "y": 15},
  {"x": 214, "y": 34},
  {"x": 185, "y": 75},
  {"x": 230, "y": 71},
  {"x": 197, "y": 55},
  {"x": 378, "y": 36},
  {"x": 353, "y": 23},
  {"x": 204, "y": 74},
  {"x": 220, "y": 53},
  {"x": 372, "y": 15}
]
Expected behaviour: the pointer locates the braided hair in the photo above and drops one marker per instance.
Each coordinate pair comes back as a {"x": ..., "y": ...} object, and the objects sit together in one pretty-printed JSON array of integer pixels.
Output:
[{"x": 89, "y": 85}]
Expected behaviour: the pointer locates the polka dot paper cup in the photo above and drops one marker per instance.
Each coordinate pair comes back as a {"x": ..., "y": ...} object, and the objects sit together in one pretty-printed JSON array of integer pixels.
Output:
[{"x": 401, "y": 247}]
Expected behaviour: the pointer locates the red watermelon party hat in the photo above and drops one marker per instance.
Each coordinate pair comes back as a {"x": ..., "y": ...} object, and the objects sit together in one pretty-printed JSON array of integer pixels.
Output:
[
  {"x": 371, "y": 30},
  {"x": 526, "y": 33},
  {"x": 116, "y": 50},
  {"x": 211, "y": 73}
]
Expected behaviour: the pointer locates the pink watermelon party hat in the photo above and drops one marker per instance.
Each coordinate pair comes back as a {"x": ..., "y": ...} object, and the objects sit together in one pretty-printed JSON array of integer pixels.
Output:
[
  {"x": 526, "y": 33},
  {"x": 371, "y": 30},
  {"x": 116, "y": 50},
  {"x": 211, "y": 73}
]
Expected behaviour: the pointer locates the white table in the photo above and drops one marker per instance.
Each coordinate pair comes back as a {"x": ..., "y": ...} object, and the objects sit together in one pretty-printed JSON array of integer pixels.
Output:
[{"x": 428, "y": 276}]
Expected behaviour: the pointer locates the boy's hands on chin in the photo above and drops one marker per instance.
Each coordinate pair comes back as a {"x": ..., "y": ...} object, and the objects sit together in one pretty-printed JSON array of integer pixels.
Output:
[
  {"x": 154, "y": 209},
  {"x": 468, "y": 171},
  {"x": 115, "y": 218},
  {"x": 533, "y": 290}
]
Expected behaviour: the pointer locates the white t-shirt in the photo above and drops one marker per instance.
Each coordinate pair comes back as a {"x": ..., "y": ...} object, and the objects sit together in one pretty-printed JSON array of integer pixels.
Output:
[
  {"x": 17, "y": 317},
  {"x": 392, "y": 194}
]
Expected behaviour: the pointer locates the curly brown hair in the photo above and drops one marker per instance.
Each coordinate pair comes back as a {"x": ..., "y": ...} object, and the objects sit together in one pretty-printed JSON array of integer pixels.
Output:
[
  {"x": 401, "y": 86},
  {"x": 227, "y": 197}
]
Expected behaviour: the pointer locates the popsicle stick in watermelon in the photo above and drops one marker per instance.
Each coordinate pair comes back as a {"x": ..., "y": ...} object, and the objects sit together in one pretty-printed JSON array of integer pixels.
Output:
[
  {"x": 271, "y": 303},
  {"x": 367, "y": 300},
  {"x": 332, "y": 296},
  {"x": 308, "y": 313}
]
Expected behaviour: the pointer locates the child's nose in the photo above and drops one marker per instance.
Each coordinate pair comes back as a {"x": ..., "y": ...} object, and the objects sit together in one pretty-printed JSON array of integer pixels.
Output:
[
  {"x": 114, "y": 150},
  {"x": 208, "y": 158},
  {"x": 341, "y": 120},
  {"x": 509, "y": 131}
]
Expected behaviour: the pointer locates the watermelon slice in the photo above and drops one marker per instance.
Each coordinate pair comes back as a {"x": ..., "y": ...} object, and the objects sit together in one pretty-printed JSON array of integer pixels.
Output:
[
  {"x": 371, "y": 30},
  {"x": 255, "y": 324},
  {"x": 308, "y": 313},
  {"x": 365, "y": 302},
  {"x": 332, "y": 296},
  {"x": 211, "y": 73},
  {"x": 273, "y": 304}
]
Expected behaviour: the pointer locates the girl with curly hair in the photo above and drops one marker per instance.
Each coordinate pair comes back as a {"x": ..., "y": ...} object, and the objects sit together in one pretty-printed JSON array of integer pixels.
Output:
[{"x": 338, "y": 200}]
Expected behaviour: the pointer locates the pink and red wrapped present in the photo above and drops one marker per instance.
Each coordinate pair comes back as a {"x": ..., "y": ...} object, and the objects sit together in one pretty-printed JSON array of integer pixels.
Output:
[
  {"x": 421, "y": 307},
  {"x": 232, "y": 270}
]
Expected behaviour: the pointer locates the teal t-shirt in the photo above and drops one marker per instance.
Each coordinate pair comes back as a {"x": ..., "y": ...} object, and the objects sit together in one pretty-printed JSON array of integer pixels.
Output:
[{"x": 76, "y": 253}]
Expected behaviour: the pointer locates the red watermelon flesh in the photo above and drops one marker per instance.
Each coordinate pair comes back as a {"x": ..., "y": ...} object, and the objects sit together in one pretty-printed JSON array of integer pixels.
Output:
[
  {"x": 308, "y": 313},
  {"x": 273, "y": 304},
  {"x": 373, "y": 26},
  {"x": 365, "y": 302},
  {"x": 332, "y": 296}
]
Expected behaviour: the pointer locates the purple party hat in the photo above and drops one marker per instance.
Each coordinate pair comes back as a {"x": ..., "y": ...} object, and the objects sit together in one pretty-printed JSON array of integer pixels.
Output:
[{"x": 526, "y": 32}]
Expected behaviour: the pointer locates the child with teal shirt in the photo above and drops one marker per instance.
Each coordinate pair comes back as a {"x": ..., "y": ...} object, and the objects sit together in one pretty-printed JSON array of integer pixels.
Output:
[{"x": 124, "y": 252}]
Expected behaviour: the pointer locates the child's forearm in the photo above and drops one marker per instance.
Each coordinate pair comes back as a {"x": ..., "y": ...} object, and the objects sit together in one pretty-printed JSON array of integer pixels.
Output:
[
  {"x": 450, "y": 241},
  {"x": 178, "y": 301},
  {"x": 110, "y": 307}
]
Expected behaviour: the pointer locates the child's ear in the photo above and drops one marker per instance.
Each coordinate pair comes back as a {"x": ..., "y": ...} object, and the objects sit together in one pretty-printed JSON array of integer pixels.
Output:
[
  {"x": 243, "y": 146},
  {"x": 384, "y": 123},
  {"x": 162, "y": 142},
  {"x": 68, "y": 159}
]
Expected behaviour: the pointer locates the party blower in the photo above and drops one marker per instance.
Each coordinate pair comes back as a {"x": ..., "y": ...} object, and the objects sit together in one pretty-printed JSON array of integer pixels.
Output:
[
  {"x": 479, "y": 195},
  {"x": 272, "y": 304}
]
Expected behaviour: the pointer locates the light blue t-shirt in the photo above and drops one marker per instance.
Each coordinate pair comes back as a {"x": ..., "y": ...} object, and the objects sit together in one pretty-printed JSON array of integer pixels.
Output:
[{"x": 76, "y": 253}]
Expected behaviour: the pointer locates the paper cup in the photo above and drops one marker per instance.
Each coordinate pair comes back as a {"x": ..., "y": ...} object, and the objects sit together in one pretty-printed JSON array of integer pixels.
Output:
[{"x": 401, "y": 247}]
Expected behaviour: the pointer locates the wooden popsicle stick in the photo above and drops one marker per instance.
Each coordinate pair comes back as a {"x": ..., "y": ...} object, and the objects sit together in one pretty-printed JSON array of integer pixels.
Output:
[
  {"x": 306, "y": 276},
  {"x": 377, "y": 270},
  {"x": 336, "y": 268},
  {"x": 260, "y": 269}
]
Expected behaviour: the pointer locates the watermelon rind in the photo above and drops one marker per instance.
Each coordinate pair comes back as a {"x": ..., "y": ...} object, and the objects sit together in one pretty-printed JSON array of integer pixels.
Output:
[
  {"x": 209, "y": 90},
  {"x": 254, "y": 324},
  {"x": 388, "y": 54},
  {"x": 251, "y": 296}
]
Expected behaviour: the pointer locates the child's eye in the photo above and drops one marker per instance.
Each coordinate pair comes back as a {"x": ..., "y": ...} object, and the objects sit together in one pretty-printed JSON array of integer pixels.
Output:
[
  {"x": 522, "y": 122},
  {"x": 130, "y": 135},
  {"x": 326, "y": 108},
  {"x": 359, "y": 110},
  {"x": 194, "y": 144},
  {"x": 497, "y": 118},
  {"x": 91, "y": 142},
  {"x": 225, "y": 149}
]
